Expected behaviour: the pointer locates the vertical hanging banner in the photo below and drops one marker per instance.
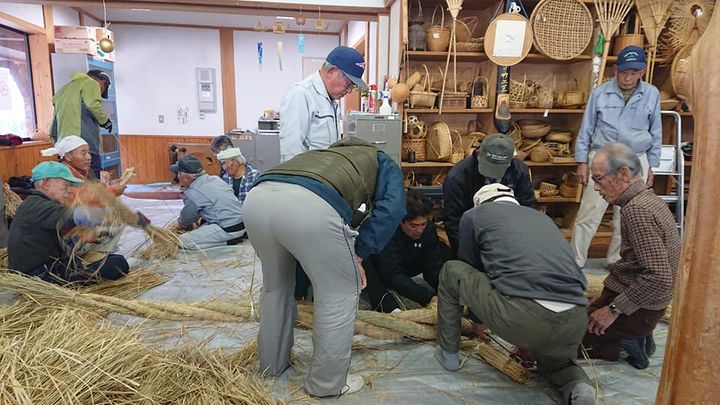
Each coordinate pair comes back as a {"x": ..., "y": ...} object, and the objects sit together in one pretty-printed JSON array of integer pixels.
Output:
[
  {"x": 280, "y": 54},
  {"x": 301, "y": 44},
  {"x": 260, "y": 54}
]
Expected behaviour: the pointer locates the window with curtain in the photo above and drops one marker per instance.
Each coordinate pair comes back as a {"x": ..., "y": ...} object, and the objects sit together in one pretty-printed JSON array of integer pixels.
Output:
[{"x": 17, "y": 104}]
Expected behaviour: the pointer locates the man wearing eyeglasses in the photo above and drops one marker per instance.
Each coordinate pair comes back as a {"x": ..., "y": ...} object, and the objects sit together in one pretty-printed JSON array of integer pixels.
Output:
[
  {"x": 639, "y": 287},
  {"x": 625, "y": 110},
  {"x": 310, "y": 111}
]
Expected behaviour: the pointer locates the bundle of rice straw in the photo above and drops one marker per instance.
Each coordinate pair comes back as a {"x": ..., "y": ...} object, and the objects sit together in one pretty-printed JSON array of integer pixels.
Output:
[
  {"x": 71, "y": 357},
  {"x": 497, "y": 358},
  {"x": 3, "y": 258},
  {"x": 12, "y": 201}
]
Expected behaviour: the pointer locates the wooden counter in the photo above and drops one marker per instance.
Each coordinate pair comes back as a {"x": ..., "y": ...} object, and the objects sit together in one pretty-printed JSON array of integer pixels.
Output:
[{"x": 19, "y": 160}]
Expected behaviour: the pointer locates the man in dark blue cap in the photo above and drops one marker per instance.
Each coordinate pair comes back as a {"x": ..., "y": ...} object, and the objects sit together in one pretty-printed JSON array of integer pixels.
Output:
[
  {"x": 623, "y": 110},
  {"x": 310, "y": 111}
]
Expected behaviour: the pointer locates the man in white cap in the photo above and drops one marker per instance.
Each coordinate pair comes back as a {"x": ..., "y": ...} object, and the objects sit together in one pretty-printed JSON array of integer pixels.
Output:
[
  {"x": 242, "y": 176},
  {"x": 518, "y": 275},
  {"x": 310, "y": 111},
  {"x": 38, "y": 233},
  {"x": 492, "y": 162}
]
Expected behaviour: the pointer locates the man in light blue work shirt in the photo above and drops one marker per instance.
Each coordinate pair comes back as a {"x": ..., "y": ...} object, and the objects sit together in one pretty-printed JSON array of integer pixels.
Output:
[
  {"x": 624, "y": 110},
  {"x": 310, "y": 112}
]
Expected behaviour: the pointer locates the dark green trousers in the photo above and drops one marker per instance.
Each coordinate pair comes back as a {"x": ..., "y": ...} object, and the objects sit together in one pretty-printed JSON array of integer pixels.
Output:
[{"x": 552, "y": 337}]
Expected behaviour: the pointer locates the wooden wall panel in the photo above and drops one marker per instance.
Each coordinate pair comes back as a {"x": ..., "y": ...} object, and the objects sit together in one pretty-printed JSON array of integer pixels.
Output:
[
  {"x": 227, "y": 76},
  {"x": 148, "y": 154},
  {"x": 19, "y": 160}
]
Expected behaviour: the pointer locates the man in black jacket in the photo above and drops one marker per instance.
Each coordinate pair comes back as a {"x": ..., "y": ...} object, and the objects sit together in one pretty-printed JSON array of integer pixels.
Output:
[
  {"x": 414, "y": 249},
  {"x": 492, "y": 162}
]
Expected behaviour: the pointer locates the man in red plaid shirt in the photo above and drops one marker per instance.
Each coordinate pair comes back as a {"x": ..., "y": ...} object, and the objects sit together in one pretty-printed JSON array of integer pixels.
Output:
[{"x": 640, "y": 285}]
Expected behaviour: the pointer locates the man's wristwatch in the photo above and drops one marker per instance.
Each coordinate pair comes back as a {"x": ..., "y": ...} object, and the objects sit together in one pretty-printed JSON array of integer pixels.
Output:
[{"x": 614, "y": 309}]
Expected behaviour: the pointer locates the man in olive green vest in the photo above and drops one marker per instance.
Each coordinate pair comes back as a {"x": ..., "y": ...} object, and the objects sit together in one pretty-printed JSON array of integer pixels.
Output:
[{"x": 327, "y": 209}]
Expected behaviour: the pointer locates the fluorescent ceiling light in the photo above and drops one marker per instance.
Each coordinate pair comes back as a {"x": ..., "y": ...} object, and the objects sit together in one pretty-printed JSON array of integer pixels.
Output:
[
  {"x": 140, "y": 9},
  {"x": 284, "y": 17}
]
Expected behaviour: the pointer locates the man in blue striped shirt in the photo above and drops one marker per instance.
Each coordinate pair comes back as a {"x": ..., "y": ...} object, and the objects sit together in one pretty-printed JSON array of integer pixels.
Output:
[{"x": 624, "y": 110}]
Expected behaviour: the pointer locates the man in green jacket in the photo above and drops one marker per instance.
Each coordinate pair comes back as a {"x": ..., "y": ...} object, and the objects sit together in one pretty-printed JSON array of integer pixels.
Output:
[{"x": 79, "y": 111}]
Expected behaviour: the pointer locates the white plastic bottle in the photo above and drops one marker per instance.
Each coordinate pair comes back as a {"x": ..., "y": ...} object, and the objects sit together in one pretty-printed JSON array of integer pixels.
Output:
[{"x": 385, "y": 108}]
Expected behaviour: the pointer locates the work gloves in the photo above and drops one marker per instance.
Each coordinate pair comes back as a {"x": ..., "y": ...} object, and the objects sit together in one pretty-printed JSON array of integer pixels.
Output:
[{"x": 108, "y": 125}]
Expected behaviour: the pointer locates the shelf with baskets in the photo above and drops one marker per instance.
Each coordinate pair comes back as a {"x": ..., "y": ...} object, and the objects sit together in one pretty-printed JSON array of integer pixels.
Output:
[
  {"x": 449, "y": 110},
  {"x": 481, "y": 56},
  {"x": 427, "y": 164}
]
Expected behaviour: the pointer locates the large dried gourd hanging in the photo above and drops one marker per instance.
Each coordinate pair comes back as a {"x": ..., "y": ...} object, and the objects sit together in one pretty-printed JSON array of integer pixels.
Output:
[
  {"x": 454, "y": 6},
  {"x": 611, "y": 13},
  {"x": 653, "y": 15}
]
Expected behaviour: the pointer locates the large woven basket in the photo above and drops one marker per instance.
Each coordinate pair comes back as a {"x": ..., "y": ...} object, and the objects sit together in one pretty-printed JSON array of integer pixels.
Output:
[
  {"x": 414, "y": 144},
  {"x": 625, "y": 40},
  {"x": 464, "y": 28},
  {"x": 532, "y": 129},
  {"x": 417, "y": 36},
  {"x": 562, "y": 29},
  {"x": 439, "y": 145},
  {"x": 458, "y": 152},
  {"x": 438, "y": 36},
  {"x": 571, "y": 97}
]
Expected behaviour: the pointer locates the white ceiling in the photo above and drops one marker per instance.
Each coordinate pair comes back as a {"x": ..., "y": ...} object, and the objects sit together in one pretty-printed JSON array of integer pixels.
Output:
[{"x": 212, "y": 19}]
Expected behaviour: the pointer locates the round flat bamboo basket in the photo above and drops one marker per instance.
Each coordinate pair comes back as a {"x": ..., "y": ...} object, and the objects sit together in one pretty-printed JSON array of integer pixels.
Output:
[
  {"x": 680, "y": 73},
  {"x": 439, "y": 146},
  {"x": 562, "y": 29}
]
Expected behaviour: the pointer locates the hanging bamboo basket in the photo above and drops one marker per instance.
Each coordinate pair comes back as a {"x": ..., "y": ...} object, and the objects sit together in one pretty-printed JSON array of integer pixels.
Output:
[
  {"x": 438, "y": 36},
  {"x": 479, "y": 93},
  {"x": 439, "y": 145}
]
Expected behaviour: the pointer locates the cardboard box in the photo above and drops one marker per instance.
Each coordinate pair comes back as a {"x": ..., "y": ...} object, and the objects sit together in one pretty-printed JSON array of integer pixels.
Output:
[
  {"x": 73, "y": 32},
  {"x": 67, "y": 45}
]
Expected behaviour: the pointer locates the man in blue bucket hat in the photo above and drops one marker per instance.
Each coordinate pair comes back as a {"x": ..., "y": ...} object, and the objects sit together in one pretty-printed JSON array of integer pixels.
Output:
[{"x": 623, "y": 110}]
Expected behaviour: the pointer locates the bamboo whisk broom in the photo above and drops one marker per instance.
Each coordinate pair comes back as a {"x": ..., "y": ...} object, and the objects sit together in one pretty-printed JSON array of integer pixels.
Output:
[
  {"x": 611, "y": 13},
  {"x": 454, "y": 6},
  {"x": 653, "y": 15}
]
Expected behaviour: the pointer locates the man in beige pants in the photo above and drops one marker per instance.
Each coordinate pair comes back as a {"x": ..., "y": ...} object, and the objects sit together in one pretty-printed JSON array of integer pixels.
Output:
[{"x": 624, "y": 110}]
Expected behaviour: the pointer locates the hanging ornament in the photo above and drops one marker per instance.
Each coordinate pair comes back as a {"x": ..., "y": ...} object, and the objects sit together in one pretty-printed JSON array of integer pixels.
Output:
[
  {"x": 319, "y": 23},
  {"x": 301, "y": 43},
  {"x": 300, "y": 19},
  {"x": 279, "y": 28},
  {"x": 259, "y": 27},
  {"x": 260, "y": 55},
  {"x": 106, "y": 44},
  {"x": 279, "y": 54}
]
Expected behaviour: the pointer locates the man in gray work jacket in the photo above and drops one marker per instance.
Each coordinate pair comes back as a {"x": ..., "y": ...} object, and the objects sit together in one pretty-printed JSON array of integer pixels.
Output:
[
  {"x": 517, "y": 274},
  {"x": 307, "y": 210},
  {"x": 211, "y": 200}
]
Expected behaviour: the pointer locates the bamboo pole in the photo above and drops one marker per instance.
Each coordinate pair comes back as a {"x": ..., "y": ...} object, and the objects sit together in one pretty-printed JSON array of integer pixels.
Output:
[{"x": 691, "y": 364}]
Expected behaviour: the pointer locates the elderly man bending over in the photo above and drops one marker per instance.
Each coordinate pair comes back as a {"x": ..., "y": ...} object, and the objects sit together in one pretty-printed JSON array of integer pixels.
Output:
[
  {"x": 36, "y": 245},
  {"x": 211, "y": 200},
  {"x": 517, "y": 273},
  {"x": 640, "y": 285}
]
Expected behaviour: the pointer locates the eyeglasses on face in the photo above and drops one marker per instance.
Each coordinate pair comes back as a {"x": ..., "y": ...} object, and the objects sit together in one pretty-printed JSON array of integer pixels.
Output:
[{"x": 349, "y": 86}]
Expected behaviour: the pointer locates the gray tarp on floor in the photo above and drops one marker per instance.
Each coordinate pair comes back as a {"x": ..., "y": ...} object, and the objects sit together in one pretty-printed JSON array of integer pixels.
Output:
[{"x": 399, "y": 372}]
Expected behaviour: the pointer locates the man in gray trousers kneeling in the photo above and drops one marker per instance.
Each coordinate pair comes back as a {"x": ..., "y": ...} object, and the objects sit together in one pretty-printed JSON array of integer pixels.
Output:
[
  {"x": 518, "y": 275},
  {"x": 327, "y": 209}
]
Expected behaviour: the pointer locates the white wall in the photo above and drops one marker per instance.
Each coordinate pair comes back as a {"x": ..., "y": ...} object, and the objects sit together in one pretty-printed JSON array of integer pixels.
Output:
[
  {"x": 31, "y": 13},
  {"x": 257, "y": 91},
  {"x": 383, "y": 32},
  {"x": 395, "y": 47},
  {"x": 65, "y": 16},
  {"x": 356, "y": 30},
  {"x": 155, "y": 74},
  {"x": 371, "y": 58}
]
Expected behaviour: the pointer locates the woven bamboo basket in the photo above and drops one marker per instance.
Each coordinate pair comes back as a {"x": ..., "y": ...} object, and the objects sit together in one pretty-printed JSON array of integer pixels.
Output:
[
  {"x": 558, "y": 149},
  {"x": 464, "y": 28},
  {"x": 562, "y": 29},
  {"x": 569, "y": 186},
  {"x": 439, "y": 146},
  {"x": 458, "y": 152},
  {"x": 559, "y": 136},
  {"x": 454, "y": 99},
  {"x": 572, "y": 97},
  {"x": 544, "y": 98},
  {"x": 472, "y": 137},
  {"x": 474, "y": 45},
  {"x": 519, "y": 91},
  {"x": 518, "y": 105},
  {"x": 413, "y": 79},
  {"x": 625, "y": 40},
  {"x": 540, "y": 153},
  {"x": 532, "y": 129},
  {"x": 438, "y": 36},
  {"x": 415, "y": 128},
  {"x": 417, "y": 36},
  {"x": 414, "y": 144},
  {"x": 423, "y": 98},
  {"x": 479, "y": 93},
  {"x": 680, "y": 73},
  {"x": 547, "y": 189},
  {"x": 515, "y": 134}
]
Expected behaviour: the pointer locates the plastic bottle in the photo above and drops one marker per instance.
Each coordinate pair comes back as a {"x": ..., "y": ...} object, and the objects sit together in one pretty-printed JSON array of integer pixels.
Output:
[
  {"x": 372, "y": 99},
  {"x": 385, "y": 108}
]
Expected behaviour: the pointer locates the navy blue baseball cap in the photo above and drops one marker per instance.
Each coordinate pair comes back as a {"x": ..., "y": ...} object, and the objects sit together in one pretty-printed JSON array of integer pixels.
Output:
[
  {"x": 350, "y": 62},
  {"x": 631, "y": 57}
]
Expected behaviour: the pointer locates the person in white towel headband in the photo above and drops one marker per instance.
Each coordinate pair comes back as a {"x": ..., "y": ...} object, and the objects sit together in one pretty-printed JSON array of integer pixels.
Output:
[{"x": 74, "y": 152}]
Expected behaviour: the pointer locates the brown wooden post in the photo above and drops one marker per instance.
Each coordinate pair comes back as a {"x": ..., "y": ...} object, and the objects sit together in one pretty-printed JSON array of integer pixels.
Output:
[{"x": 692, "y": 357}]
